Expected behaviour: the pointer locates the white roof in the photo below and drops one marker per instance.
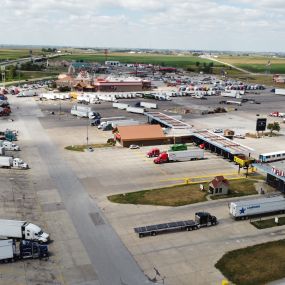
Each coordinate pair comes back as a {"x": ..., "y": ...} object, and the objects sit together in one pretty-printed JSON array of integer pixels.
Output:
[{"x": 272, "y": 153}]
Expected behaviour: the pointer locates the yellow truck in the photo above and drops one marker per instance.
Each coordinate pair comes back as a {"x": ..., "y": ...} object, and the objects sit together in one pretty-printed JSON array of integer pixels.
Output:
[{"x": 243, "y": 160}]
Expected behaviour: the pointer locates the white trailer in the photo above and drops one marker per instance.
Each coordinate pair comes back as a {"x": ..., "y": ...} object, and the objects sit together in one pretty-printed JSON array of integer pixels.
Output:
[
  {"x": 124, "y": 123},
  {"x": 231, "y": 93},
  {"x": 2, "y": 150},
  {"x": 279, "y": 91},
  {"x": 257, "y": 207},
  {"x": 22, "y": 230},
  {"x": 185, "y": 155},
  {"x": 28, "y": 93},
  {"x": 120, "y": 106},
  {"x": 136, "y": 110},
  {"x": 80, "y": 111},
  {"x": 148, "y": 105},
  {"x": 7, "y": 249}
]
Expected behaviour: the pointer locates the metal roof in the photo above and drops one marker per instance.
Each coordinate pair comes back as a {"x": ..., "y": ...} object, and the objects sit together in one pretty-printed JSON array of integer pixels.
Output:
[
  {"x": 168, "y": 120},
  {"x": 222, "y": 142}
]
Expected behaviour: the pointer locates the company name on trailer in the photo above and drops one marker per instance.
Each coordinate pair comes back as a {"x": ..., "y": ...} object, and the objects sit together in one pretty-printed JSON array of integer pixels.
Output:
[{"x": 253, "y": 207}]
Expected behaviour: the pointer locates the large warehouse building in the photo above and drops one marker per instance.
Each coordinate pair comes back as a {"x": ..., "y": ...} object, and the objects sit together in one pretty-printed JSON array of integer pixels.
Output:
[{"x": 141, "y": 135}]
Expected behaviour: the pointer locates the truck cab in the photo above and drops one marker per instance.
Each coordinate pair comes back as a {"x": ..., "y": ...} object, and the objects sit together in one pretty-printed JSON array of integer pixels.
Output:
[
  {"x": 19, "y": 163},
  {"x": 205, "y": 219},
  {"x": 33, "y": 232},
  {"x": 153, "y": 152},
  {"x": 163, "y": 157}
]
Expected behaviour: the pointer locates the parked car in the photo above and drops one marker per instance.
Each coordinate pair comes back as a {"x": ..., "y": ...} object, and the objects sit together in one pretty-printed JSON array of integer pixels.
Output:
[
  {"x": 218, "y": 131},
  {"x": 134, "y": 146}
]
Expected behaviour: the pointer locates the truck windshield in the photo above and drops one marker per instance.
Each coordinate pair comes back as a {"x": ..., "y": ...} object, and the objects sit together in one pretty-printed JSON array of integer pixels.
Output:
[{"x": 40, "y": 233}]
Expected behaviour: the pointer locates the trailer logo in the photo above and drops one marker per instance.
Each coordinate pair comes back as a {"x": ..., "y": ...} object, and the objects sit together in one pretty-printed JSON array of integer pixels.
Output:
[{"x": 241, "y": 211}]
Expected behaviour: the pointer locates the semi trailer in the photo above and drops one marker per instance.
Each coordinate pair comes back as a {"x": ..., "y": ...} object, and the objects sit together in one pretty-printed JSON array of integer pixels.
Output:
[
  {"x": 241, "y": 210},
  {"x": 184, "y": 155},
  {"x": 22, "y": 230},
  {"x": 10, "y": 251},
  {"x": 9, "y": 146},
  {"x": 202, "y": 219},
  {"x": 148, "y": 105}
]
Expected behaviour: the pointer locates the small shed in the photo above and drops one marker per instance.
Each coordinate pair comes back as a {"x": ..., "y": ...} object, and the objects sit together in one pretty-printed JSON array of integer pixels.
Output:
[
  {"x": 229, "y": 133},
  {"x": 219, "y": 186}
]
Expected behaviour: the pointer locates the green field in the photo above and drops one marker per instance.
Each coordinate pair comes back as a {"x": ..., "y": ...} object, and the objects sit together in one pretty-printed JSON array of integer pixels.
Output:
[
  {"x": 258, "y": 264},
  {"x": 164, "y": 60},
  {"x": 11, "y": 54},
  {"x": 261, "y": 68}
]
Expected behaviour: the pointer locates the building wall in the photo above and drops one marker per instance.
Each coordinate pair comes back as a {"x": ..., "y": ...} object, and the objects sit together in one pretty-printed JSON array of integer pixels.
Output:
[
  {"x": 120, "y": 88},
  {"x": 143, "y": 143},
  {"x": 223, "y": 189}
]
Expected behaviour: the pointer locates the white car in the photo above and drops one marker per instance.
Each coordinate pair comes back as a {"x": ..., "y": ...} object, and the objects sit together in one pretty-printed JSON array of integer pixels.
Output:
[
  {"x": 218, "y": 131},
  {"x": 134, "y": 146}
]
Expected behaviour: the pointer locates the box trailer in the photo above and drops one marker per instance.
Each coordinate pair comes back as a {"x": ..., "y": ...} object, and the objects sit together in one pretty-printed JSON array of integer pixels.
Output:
[
  {"x": 136, "y": 110},
  {"x": 80, "y": 111},
  {"x": 257, "y": 207},
  {"x": 279, "y": 91},
  {"x": 231, "y": 93},
  {"x": 120, "y": 106},
  {"x": 148, "y": 105},
  {"x": 22, "y": 230}
]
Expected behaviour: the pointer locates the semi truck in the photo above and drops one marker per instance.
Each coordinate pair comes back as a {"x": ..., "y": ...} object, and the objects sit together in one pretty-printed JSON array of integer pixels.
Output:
[
  {"x": 10, "y": 162},
  {"x": 9, "y": 146},
  {"x": 10, "y": 252},
  {"x": 279, "y": 91},
  {"x": 185, "y": 155},
  {"x": 202, "y": 219},
  {"x": 148, "y": 105},
  {"x": 231, "y": 93},
  {"x": 22, "y": 230},
  {"x": 277, "y": 114},
  {"x": 241, "y": 210}
]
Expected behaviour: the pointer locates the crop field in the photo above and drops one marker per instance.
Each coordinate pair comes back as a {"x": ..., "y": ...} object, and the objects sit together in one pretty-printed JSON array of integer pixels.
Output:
[
  {"x": 256, "y": 64},
  {"x": 164, "y": 60},
  {"x": 10, "y": 54}
]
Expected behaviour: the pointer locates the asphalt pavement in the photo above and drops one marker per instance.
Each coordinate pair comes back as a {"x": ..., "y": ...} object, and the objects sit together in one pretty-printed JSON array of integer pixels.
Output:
[{"x": 111, "y": 259}]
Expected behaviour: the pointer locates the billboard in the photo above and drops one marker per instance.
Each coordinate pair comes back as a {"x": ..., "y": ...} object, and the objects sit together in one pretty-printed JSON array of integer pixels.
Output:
[{"x": 261, "y": 125}]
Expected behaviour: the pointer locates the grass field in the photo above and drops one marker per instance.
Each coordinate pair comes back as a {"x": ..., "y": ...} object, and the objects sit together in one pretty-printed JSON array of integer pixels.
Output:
[
  {"x": 164, "y": 60},
  {"x": 10, "y": 54},
  {"x": 256, "y": 64},
  {"x": 180, "y": 195},
  {"x": 254, "y": 265},
  {"x": 268, "y": 223}
]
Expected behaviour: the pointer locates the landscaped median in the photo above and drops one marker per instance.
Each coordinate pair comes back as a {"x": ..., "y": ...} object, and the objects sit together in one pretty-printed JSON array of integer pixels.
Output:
[
  {"x": 83, "y": 148},
  {"x": 258, "y": 264},
  {"x": 268, "y": 223},
  {"x": 184, "y": 194}
]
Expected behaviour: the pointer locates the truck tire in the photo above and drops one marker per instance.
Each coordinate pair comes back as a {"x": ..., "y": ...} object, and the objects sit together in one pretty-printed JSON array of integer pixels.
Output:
[
  {"x": 153, "y": 233},
  {"x": 189, "y": 229},
  {"x": 141, "y": 235}
]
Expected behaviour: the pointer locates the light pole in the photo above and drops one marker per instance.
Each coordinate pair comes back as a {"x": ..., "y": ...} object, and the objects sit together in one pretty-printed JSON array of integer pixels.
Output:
[{"x": 87, "y": 135}]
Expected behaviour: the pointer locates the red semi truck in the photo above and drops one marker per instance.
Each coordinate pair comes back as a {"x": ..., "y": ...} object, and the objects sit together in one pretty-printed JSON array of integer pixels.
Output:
[{"x": 154, "y": 152}]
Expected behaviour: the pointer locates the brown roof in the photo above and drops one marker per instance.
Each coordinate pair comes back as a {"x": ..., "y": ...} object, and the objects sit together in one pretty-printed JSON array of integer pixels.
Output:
[
  {"x": 141, "y": 132},
  {"x": 218, "y": 180}
]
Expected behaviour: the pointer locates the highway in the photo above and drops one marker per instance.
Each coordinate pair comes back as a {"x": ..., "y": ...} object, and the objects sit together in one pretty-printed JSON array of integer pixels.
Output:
[{"x": 111, "y": 260}]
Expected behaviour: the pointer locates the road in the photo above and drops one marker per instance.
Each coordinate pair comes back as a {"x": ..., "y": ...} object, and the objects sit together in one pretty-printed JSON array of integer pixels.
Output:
[{"x": 111, "y": 260}]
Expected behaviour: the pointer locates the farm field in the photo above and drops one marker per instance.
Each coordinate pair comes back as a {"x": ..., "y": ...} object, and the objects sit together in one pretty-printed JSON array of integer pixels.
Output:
[
  {"x": 164, "y": 60},
  {"x": 11, "y": 54},
  {"x": 256, "y": 63}
]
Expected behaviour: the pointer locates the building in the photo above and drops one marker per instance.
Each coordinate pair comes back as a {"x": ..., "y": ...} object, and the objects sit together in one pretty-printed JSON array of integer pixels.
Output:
[
  {"x": 219, "y": 186},
  {"x": 112, "y": 63},
  {"x": 142, "y": 135}
]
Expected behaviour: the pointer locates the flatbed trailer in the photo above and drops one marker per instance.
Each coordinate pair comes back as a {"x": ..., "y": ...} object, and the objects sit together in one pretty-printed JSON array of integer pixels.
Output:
[{"x": 153, "y": 230}]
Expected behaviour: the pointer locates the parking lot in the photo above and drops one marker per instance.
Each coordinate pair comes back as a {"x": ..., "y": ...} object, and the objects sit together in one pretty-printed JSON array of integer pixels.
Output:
[{"x": 180, "y": 257}]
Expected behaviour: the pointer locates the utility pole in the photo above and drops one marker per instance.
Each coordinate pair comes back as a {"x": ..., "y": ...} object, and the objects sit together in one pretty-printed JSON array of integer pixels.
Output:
[
  {"x": 3, "y": 75},
  {"x": 87, "y": 135}
]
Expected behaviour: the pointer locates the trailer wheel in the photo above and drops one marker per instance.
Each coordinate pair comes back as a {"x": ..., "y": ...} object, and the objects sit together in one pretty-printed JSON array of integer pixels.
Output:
[
  {"x": 141, "y": 235},
  {"x": 153, "y": 233},
  {"x": 189, "y": 229}
]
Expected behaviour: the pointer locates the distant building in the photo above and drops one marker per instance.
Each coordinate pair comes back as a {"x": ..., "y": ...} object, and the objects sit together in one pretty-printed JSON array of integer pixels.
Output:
[
  {"x": 112, "y": 63},
  {"x": 277, "y": 78},
  {"x": 219, "y": 186}
]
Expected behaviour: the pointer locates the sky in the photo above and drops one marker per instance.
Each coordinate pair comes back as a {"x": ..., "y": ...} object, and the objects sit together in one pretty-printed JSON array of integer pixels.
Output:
[{"x": 238, "y": 25}]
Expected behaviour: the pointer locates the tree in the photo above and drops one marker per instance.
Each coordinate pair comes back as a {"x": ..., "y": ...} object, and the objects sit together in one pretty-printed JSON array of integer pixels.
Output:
[{"x": 273, "y": 127}]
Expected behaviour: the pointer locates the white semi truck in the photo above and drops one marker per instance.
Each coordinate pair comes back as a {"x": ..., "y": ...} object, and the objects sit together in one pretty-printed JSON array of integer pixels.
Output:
[
  {"x": 136, "y": 110},
  {"x": 10, "y": 162},
  {"x": 121, "y": 106},
  {"x": 9, "y": 146},
  {"x": 241, "y": 210},
  {"x": 22, "y": 230}
]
